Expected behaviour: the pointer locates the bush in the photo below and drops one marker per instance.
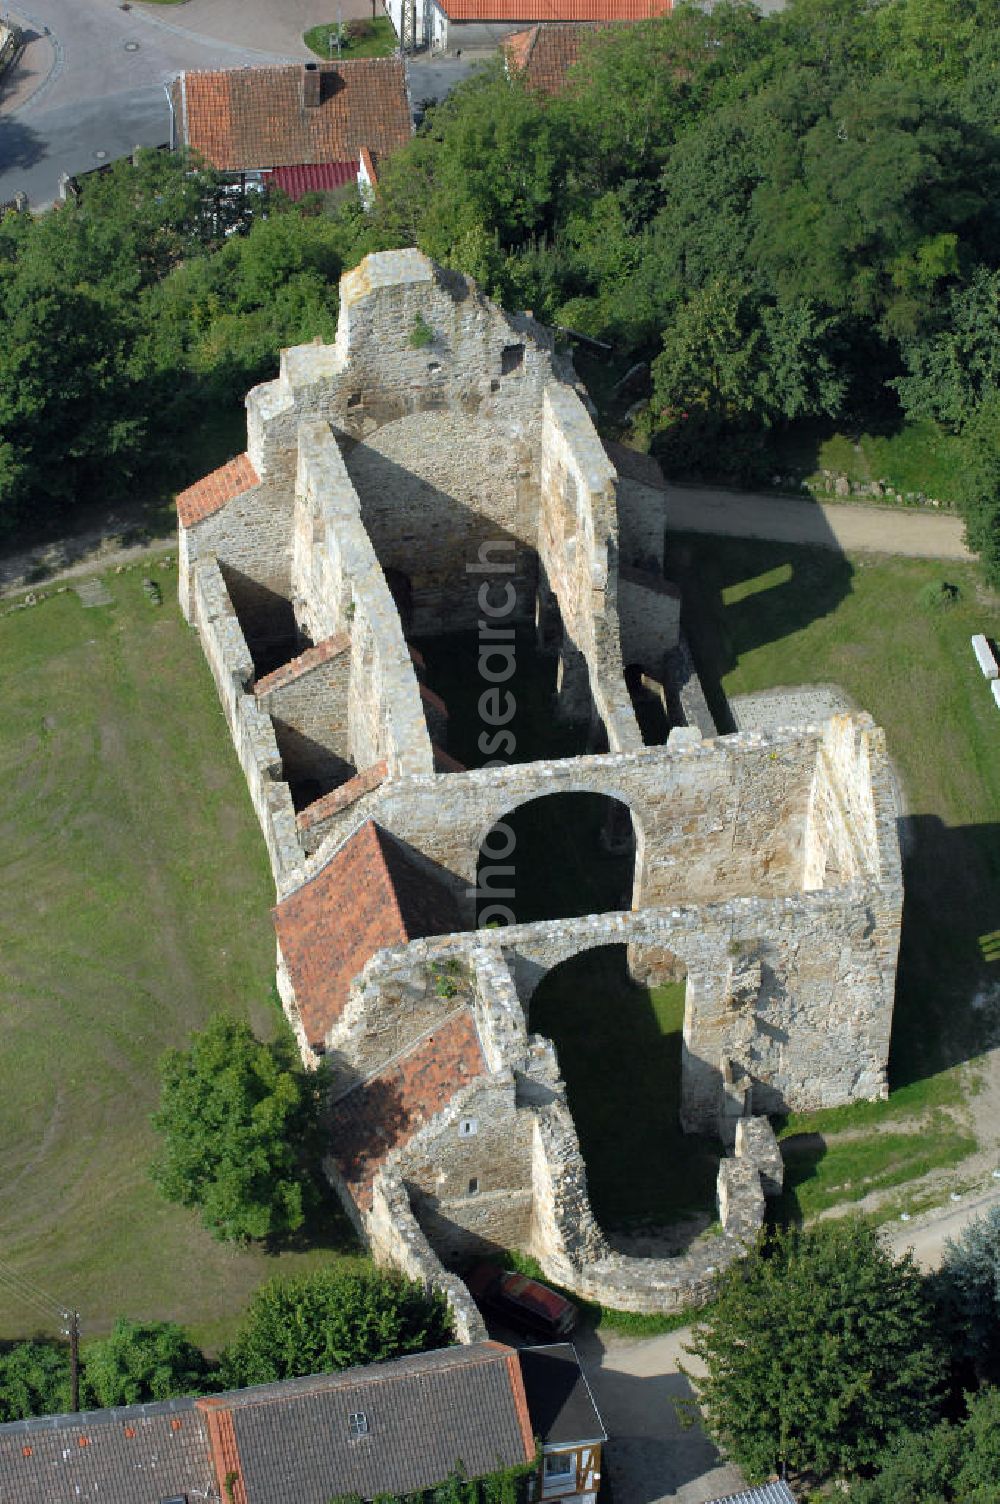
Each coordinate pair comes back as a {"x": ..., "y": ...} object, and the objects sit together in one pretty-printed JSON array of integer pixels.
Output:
[
  {"x": 238, "y": 1120},
  {"x": 329, "y": 1320},
  {"x": 141, "y": 1361}
]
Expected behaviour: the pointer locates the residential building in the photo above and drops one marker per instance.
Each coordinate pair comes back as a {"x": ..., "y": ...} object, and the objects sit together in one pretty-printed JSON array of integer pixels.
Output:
[
  {"x": 390, "y": 1428},
  {"x": 451, "y": 25},
  {"x": 301, "y": 127}
]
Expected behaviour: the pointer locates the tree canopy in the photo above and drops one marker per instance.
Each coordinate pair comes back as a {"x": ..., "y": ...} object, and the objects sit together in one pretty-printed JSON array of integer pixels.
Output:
[
  {"x": 328, "y": 1320},
  {"x": 143, "y": 1360},
  {"x": 949, "y": 1464},
  {"x": 819, "y": 1350},
  {"x": 795, "y": 216},
  {"x": 237, "y": 1119}
]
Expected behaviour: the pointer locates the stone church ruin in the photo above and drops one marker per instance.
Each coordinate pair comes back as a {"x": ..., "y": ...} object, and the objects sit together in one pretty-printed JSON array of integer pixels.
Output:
[{"x": 436, "y": 470}]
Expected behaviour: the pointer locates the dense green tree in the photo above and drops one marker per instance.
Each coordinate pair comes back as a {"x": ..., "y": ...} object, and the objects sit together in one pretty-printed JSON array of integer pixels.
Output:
[
  {"x": 951, "y": 369},
  {"x": 238, "y": 1121},
  {"x": 329, "y": 1319},
  {"x": 979, "y": 484},
  {"x": 967, "y": 1288},
  {"x": 819, "y": 1350},
  {"x": 949, "y": 1464},
  {"x": 138, "y": 1361},
  {"x": 34, "y": 1379}
]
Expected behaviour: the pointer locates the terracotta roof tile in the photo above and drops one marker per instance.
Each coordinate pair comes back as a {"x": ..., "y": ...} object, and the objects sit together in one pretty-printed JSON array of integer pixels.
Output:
[
  {"x": 554, "y": 10},
  {"x": 211, "y": 494},
  {"x": 245, "y": 118},
  {"x": 544, "y": 55},
  {"x": 316, "y": 177},
  {"x": 330, "y": 647},
  {"x": 386, "y": 1110},
  {"x": 370, "y": 895}
]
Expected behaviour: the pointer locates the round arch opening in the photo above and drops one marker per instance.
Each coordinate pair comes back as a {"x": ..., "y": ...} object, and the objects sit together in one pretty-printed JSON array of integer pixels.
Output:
[
  {"x": 619, "y": 1045},
  {"x": 559, "y": 856}
]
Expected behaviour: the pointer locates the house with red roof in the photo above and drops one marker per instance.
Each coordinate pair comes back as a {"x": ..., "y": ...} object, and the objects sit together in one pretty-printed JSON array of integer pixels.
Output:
[
  {"x": 451, "y": 25},
  {"x": 300, "y": 127}
]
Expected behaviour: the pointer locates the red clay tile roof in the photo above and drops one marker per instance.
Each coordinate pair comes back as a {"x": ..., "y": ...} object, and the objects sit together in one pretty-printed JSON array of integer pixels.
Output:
[
  {"x": 319, "y": 177},
  {"x": 244, "y": 118},
  {"x": 543, "y": 55},
  {"x": 554, "y": 10},
  {"x": 370, "y": 895},
  {"x": 211, "y": 494},
  {"x": 342, "y": 797},
  {"x": 330, "y": 647},
  {"x": 386, "y": 1110}
]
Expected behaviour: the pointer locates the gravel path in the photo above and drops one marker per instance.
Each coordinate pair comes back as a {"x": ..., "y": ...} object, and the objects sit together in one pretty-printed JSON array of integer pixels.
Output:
[{"x": 744, "y": 514}]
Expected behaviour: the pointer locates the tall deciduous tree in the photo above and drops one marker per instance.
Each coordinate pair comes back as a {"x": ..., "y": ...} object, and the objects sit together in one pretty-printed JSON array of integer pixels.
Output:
[
  {"x": 819, "y": 1350},
  {"x": 967, "y": 1287},
  {"x": 331, "y": 1320},
  {"x": 950, "y": 1464},
  {"x": 238, "y": 1122}
]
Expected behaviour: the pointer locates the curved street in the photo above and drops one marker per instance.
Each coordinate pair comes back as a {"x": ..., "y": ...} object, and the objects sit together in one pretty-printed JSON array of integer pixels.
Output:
[{"x": 89, "y": 84}]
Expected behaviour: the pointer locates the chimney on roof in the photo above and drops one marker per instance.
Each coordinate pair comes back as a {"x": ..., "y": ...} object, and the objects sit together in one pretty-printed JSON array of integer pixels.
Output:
[{"x": 311, "y": 81}]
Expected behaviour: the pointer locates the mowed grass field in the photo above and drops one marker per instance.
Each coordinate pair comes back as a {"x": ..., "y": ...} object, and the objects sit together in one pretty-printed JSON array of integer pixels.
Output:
[
  {"x": 761, "y": 615},
  {"x": 136, "y": 897}
]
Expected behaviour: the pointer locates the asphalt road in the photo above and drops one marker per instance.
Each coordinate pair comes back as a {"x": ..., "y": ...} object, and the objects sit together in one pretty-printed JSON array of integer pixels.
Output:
[
  {"x": 89, "y": 85},
  {"x": 90, "y": 88}
]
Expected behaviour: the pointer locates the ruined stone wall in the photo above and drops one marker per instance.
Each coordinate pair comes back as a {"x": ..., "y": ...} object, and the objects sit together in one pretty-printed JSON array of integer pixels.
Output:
[
  {"x": 338, "y": 586},
  {"x": 642, "y": 525},
  {"x": 411, "y": 338},
  {"x": 253, "y": 735},
  {"x": 469, "y": 1174},
  {"x": 307, "y": 702},
  {"x": 649, "y": 611},
  {"x": 578, "y": 552},
  {"x": 713, "y": 818},
  {"x": 251, "y": 537}
]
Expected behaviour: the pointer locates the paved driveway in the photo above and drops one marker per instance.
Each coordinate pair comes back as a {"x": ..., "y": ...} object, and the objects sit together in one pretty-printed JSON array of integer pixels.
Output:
[{"x": 653, "y": 1456}]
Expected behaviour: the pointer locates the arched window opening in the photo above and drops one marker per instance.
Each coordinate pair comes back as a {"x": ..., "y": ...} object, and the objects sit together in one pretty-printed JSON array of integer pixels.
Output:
[
  {"x": 558, "y": 857},
  {"x": 619, "y": 1048}
]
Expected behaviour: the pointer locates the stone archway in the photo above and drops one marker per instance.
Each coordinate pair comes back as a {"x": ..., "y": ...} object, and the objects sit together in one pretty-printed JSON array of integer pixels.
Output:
[
  {"x": 559, "y": 856},
  {"x": 619, "y": 1045}
]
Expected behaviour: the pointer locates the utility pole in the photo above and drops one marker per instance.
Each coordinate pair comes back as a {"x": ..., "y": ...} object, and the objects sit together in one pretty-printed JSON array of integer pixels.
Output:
[{"x": 72, "y": 1331}]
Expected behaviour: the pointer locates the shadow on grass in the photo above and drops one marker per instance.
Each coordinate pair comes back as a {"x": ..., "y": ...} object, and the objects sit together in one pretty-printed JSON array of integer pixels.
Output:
[
  {"x": 747, "y": 595},
  {"x": 802, "y": 1154},
  {"x": 948, "y": 986}
]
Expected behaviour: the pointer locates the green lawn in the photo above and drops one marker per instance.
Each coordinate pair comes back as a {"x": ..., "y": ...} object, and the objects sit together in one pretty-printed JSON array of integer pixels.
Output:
[
  {"x": 136, "y": 904},
  {"x": 619, "y": 1049},
  {"x": 379, "y": 39}
]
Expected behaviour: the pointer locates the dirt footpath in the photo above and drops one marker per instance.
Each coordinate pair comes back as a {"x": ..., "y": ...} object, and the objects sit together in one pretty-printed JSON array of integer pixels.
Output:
[{"x": 884, "y": 530}]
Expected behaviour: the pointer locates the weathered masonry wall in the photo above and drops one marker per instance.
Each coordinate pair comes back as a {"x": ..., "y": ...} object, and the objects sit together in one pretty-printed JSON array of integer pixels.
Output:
[
  {"x": 578, "y": 551},
  {"x": 253, "y": 735},
  {"x": 339, "y": 587},
  {"x": 712, "y": 819},
  {"x": 307, "y": 701}
]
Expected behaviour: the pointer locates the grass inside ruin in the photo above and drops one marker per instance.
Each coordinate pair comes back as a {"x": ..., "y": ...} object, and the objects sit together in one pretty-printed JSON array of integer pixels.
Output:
[
  {"x": 619, "y": 1047},
  {"x": 869, "y": 625},
  {"x": 136, "y": 905}
]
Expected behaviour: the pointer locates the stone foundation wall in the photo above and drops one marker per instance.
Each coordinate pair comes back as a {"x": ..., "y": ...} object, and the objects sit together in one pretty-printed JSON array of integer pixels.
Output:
[{"x": 253, "y": 735}]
